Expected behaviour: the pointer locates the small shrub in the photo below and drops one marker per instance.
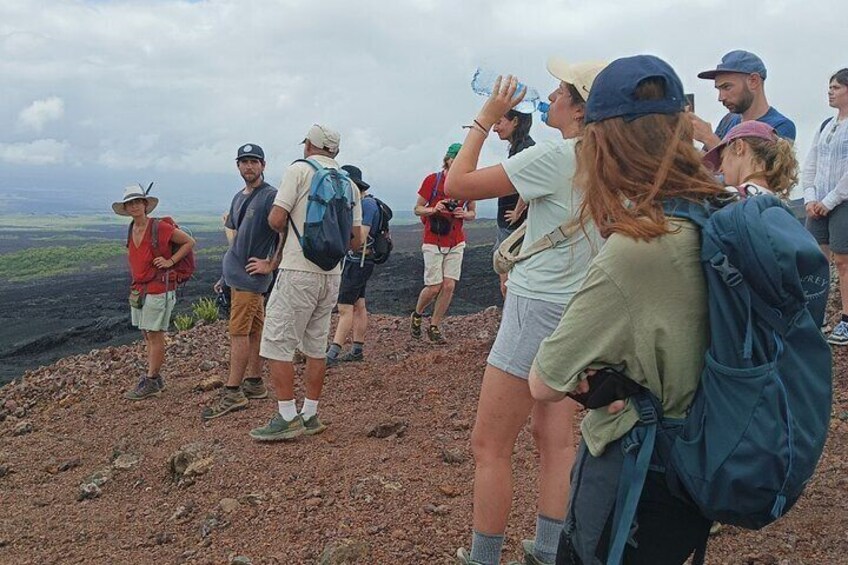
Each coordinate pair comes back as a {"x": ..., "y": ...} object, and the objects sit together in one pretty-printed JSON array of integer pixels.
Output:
[
  {"x": 205, "y": 309},
  {"x": 184, "y": 322}
]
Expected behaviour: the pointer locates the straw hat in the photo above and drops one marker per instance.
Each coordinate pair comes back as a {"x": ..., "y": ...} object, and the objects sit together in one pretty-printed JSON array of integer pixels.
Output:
[{"x": 134, "y": 192}]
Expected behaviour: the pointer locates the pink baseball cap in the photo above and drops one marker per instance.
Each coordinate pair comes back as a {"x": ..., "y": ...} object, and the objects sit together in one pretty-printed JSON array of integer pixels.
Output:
[{"x": 750, "y": 128}]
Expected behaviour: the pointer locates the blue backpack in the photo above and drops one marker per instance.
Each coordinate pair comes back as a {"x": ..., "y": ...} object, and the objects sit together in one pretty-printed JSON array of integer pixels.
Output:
[
  {"x": 760, "y": 416},
  {"x": 329, "y": 217}
]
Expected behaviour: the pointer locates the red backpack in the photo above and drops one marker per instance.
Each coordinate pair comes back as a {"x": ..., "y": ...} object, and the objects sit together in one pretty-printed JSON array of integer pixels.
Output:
[{"x": 182, "y": 271}]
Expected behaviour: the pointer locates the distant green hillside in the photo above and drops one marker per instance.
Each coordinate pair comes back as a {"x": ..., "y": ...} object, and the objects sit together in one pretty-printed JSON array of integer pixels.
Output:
[{"x": 36, "y": 263}]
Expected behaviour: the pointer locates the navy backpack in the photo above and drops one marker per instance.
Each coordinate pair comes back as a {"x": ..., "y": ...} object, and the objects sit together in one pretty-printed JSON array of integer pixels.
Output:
[
  {"x": 329, "y": 217},
  {"x": 760, "y": 416}
]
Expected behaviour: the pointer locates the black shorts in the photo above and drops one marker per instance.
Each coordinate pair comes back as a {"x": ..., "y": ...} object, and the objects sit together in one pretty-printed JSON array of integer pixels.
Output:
[
  {"x": 354, "y": 278},
  {"x": 832, "y": 230}
]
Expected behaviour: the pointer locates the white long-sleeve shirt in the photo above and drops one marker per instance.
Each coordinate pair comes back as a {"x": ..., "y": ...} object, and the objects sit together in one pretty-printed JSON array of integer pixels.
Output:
[{"x": 825, "y": 172}]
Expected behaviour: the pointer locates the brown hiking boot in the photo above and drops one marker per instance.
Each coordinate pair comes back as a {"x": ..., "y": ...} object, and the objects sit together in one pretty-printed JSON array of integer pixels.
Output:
[
  {"x": 415, "y": 325},
  {"x": 145, "y": 388},
  {"x": 435, "y": 335},
  {"x": 229, "y": 401},
  {"x": 254, "y": 389}
]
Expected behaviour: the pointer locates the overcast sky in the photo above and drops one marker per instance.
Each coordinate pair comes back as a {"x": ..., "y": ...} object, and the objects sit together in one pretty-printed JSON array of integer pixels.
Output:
[{"x": 97, "y": 94}]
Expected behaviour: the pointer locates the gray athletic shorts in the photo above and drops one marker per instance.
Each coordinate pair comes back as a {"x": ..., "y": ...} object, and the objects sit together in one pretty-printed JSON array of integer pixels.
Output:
[
  {"x": 832, "y": 230},
  {"x": 524, "y": 324}
]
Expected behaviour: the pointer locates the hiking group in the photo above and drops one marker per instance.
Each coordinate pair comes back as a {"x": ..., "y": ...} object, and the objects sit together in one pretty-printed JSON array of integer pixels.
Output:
[{"x": 666, "y": 288}]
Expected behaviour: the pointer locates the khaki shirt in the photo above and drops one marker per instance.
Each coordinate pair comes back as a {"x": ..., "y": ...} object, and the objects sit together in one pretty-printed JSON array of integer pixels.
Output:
[
  {"x": 642, "y": 310},
  {"x": 293, "y": 196}
]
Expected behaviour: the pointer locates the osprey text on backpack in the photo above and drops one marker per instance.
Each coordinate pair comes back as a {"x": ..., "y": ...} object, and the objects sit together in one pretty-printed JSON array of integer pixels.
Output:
[
  {"x": 329, "y": 217},
  {"x": 759, "y": 420}
]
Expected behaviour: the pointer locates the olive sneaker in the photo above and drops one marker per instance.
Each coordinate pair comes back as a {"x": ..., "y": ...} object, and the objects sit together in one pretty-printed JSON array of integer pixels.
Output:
[
  {"x": 415, "y": 325},
  {"x": 229, "y": 401},
  {"x": 312, "y": 426},
  {"x": 350, "y": 356},
  {"x": 278, "y": 429},
  {"x": 435, "y": 335},
  {"x": 462, "y": 557},
  {"x": 145, "y": 388},
  {"x": 254, "y": 389},
  {"x": 529, "y": 558}
]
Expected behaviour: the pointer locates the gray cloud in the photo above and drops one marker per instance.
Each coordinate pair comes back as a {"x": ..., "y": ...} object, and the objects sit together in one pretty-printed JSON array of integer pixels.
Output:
[{"x": 166, "y": 90}]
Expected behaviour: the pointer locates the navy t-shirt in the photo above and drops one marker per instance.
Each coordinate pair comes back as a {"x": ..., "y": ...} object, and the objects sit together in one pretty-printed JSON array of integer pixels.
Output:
[
  {"x": 371, "y": 218},
  {"x": 254, "y": 238},
  {"x": 784, "y": 127}
]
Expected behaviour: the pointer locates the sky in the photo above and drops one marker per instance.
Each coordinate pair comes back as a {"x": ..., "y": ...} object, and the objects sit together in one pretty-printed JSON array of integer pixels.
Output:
[{"x": 95, "y": 95}]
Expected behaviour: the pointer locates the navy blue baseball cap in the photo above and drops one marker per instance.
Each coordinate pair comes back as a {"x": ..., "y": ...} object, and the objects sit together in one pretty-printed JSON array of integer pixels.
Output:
[
  {"x": 738, "y": 61},
  {"x": 250, "y": 150},
  {"x": 614, "y": 90}
]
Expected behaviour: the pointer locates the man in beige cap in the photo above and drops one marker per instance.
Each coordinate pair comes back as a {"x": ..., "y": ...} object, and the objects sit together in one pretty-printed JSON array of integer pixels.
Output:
[
  {"x": 301, "y": 302},
  {"x": 539, "y": 289}
]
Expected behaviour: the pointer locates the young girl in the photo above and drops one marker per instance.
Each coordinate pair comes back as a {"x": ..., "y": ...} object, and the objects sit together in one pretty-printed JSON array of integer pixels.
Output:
[
  {"x": 755, "y": 160},
  {"x": 152, "y": 295}
]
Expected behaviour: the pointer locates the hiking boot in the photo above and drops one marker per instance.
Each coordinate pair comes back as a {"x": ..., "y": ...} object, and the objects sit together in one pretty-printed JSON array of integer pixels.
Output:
[
  {"x": 415, "y": 325},
  {"x": 715, "y": 529},
  {"x": 462, "y": 557},
  {"x": 254, "y": 389},
  {"x": 529, "y": 558},
  {"x": 229, "y": 401},
  {"x": 333, "y": 361},
  {"x": 435, "y": 335},
  {"x": 278, "y": 429},
  {"x": 839, "y": 335},
  {"x": 313, "y": 426},
  {"x": 160, "y": 382},
  {"x": 350, "y": 356},
  {"x": 145, "y": 388}
]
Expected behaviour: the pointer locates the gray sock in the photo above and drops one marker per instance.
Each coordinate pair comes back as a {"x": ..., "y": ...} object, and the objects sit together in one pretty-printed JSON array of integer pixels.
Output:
[
  {"x": 334, "y": 350},
  {"x": 547, "y": 538},
  {"x": 486, "y": 548}
]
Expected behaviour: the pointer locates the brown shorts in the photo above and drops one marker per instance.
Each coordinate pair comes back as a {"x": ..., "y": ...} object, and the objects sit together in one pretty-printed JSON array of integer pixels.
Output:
[{"x": 247, "y": 312}]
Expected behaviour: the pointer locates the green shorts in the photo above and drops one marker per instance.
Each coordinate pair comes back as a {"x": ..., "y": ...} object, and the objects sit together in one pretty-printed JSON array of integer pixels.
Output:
[{"x": 155, "y": 315}]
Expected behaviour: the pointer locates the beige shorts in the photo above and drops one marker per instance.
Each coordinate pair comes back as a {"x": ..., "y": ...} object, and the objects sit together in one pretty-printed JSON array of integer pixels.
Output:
[
  {"x": 298, "y": 315},
  {"x": 155, "y": 315},
  {"x": 442, "y": 263}
]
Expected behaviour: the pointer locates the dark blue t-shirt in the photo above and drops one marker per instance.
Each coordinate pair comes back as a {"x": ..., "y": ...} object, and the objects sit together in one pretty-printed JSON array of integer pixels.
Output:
[
  {"x": 254, "y": 238},
  {"x": 371, "y": 218},
  {"x": 782, "y": 125}
]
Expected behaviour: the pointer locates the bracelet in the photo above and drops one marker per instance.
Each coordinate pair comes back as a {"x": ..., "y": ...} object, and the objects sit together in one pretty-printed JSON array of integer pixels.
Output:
[
  {"x": 476, "y": 127},
  {"x": 481, "y": 126}
]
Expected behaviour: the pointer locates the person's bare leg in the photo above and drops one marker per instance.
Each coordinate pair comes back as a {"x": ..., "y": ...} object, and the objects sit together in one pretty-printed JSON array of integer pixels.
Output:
[
  {"x": 315, "y": 368},
  {"x": 841, "y": 262},
  {"x": 282, "y": 379},
  {"x": 155, "y": 352},
  {"x": 346, "y": 321},
  {"x": 254, "y": 361},
  {"x": 443, "y": 301},
  {"x": 360, "y": 321},
  {"x": 427, "y": 296},
  {"x": 240, "y": 353}
]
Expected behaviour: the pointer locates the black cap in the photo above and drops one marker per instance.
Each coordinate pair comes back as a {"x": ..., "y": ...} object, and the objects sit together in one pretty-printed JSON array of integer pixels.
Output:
[
  {"x": 250, "y": 150},
  {"x": 356, "y": 176}
]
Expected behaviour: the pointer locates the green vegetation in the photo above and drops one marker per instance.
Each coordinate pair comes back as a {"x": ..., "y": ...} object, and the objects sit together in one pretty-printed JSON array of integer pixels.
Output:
[
  {"x": 183, "y": 322},
  {"x": 205, "y": 309},
  {"x": 215, "y": 252},
  {"x": 35, "y": 263}
]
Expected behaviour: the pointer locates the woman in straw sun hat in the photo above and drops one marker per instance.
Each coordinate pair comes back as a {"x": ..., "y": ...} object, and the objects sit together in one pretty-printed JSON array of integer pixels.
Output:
[{"x": 152, "y": 297}]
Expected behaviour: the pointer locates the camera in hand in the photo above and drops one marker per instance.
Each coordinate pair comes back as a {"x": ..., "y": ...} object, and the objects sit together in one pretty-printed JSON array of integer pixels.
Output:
[
  {"x": 450, "y": 205},
  {"x": 605, "y": 387}
]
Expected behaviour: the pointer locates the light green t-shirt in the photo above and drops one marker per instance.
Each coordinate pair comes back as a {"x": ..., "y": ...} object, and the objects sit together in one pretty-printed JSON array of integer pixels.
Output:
[
  {"x": 542, "y": 175},
  {"x": 642, "y": 310}
]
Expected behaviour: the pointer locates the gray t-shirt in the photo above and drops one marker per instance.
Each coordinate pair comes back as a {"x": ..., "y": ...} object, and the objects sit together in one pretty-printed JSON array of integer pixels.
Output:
[{"x": 254, "y": 238}]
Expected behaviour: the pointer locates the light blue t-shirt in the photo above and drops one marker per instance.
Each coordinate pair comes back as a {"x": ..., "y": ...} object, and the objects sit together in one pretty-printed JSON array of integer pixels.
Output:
[
  {"x": 783, "y": 126},
  {"x": 542, "y": 175}
]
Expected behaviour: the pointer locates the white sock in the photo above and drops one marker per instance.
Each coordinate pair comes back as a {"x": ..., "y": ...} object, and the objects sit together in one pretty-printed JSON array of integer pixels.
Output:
[
  {"x": 287, "y": 409},
  {"x": 310, "y": 408}
]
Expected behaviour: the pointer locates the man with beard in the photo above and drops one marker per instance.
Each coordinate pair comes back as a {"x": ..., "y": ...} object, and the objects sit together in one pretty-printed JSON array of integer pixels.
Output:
[
  {"x": 247, "y": 269},
  {"x": 740, "y": 81}
]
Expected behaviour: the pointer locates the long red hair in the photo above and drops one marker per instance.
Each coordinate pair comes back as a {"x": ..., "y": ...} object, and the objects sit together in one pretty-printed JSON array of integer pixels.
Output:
[{"x": 626, "y": 169}]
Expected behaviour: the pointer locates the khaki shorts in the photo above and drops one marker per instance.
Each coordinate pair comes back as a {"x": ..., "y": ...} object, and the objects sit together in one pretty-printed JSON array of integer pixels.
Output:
[
  {"x": 442, "y": 263},
  {"x": 247, "y": 312},
  {"x": 155, "y": 315},
  {"x": 298, "y": 315}
]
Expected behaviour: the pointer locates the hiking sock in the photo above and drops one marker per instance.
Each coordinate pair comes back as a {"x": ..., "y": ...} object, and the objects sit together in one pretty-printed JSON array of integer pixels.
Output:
[
  {"x": 417, "y": 315},
  {"x": 547, "y": 538},
  {"x": 845, "y": 317},
  {"x": 486, "y": 548},
  {"x": 357, "y": 348},
  {"x": 232, "y": 388},
  {"x": 310, "y": 408},
  {"x": 334, "y": 350},
  {"x": 287, "y": 409},
  {"x": 254, "y": 380}
]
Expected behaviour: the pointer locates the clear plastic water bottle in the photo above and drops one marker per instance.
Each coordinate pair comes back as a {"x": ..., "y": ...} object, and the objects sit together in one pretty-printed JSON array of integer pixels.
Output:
[{"x": 483, "y": 83}]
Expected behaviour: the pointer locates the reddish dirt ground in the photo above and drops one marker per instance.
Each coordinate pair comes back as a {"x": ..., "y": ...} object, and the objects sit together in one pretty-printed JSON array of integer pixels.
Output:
[{"x": 343, "y": 496}]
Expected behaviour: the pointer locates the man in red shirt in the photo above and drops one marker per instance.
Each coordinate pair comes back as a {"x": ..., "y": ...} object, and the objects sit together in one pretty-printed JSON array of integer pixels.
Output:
[{"x": 444, "y": 244}]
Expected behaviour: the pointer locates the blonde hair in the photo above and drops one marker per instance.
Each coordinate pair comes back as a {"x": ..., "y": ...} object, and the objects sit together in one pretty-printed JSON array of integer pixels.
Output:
[{"x": 778, "y": 158}]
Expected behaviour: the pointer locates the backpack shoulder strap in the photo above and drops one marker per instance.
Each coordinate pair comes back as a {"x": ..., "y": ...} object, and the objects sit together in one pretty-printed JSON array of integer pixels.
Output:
[
  {"x": 244, "y": 207},
  {"x": 435, "y": 188},
  {"x": 688, "y": 210},
  {"x": 129, "y": 233},
  {"x": 824, "y": 124},
  {"x": 312, "y": 163},
  {"x": 154, "y": 236}
]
